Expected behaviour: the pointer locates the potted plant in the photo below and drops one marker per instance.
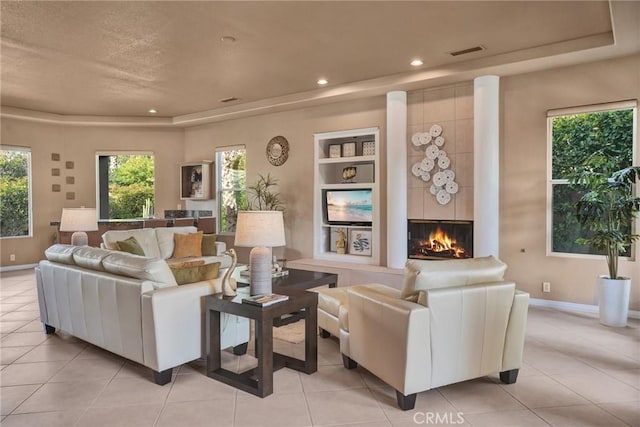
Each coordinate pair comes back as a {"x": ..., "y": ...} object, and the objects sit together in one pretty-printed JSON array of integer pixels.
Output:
[
  {"x": 263, "y": 195},
  {"x": 608, "y": 208}
]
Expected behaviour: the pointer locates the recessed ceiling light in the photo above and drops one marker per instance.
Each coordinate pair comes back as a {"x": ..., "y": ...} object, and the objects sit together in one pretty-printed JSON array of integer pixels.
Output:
[
  {"x": 152, "y": 111},
  {"x": 323, "y": 81},
  {"x": 417, "y": 62},
  {"x": 227, "y": 39}
]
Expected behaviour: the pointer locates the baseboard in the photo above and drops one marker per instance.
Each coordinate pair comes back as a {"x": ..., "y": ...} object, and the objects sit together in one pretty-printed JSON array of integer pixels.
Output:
[
  {"x": 17, "y": 267},
  {"x": 572, "y": 306}
]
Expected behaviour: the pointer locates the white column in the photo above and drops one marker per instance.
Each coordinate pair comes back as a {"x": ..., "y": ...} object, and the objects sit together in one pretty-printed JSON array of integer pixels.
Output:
[
  {"x": 396, "y": 179},
  {"x": 486, "y": 164}
]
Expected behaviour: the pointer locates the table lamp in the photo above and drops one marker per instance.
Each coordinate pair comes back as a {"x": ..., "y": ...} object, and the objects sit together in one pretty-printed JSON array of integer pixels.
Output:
[
  {"x": 79, "y": 220},
  {"x": 261, "y": 230}
]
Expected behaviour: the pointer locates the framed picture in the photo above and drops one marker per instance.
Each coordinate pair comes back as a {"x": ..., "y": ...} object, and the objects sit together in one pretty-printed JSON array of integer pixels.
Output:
[
  {"x": 360, "y": 242},
  {"x": 368, "y": 148},
  {"x": 335, "y": 151},
  {"x": 349, "y": 149}
]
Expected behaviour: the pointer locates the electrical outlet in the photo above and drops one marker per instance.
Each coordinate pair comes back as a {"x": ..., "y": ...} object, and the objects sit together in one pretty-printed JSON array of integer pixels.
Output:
[
  {"x": 546, "y": 286},
  {"x": 12, "y": 257}
]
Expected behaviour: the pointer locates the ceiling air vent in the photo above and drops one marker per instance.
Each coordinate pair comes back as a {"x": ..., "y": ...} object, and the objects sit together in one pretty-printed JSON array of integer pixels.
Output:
[
  {"x": 229, "y": 99},
  {"x": 466, "y": 51}
]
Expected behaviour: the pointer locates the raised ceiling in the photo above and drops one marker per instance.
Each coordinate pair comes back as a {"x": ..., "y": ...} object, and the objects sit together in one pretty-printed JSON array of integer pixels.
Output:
[{"x": 123, "y": 58}]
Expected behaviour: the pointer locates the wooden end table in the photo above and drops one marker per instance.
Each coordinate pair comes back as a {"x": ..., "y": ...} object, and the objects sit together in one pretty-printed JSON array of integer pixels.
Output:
[{"x": 259, "y": 380}]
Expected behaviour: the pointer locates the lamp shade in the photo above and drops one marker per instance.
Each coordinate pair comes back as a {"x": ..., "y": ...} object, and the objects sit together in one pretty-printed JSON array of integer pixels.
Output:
[
  {"x": 260, "y": 228},
  {"x": 78, "y": 219}
]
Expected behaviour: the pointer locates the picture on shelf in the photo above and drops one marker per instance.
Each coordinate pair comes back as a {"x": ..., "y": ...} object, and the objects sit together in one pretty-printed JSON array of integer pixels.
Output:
[
  {"x": 349, "y": 149},
  {"x": 360, "y": 242}
]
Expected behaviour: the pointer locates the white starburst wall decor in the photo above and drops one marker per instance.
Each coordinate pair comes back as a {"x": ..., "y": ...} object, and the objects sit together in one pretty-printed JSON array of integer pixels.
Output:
[{"x": 435, "y": 165}]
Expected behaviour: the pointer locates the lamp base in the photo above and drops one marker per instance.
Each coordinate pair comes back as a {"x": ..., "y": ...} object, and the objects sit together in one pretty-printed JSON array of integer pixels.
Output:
[
  {"x": 79, "y": 238},
  {"x": 260, "y": 270}
]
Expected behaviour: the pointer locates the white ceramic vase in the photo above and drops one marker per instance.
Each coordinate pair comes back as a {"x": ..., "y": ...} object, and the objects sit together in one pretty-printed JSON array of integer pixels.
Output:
[{"x": 613, "y": 297}]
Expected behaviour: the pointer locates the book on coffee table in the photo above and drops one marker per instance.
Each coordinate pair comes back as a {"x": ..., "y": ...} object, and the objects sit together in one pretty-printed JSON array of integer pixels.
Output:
[{"x": 265, "y": 300}]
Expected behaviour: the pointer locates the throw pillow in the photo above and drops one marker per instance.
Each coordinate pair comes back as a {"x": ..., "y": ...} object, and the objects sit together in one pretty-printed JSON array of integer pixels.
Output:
[
  {"x": 130, "y": 245},
  {"x": 181, "y": 263},
  {"x": 186, "y": 275},
  {"x": 209, "y": 245},
  {"x": 187, "y": 244},
  {"x": 408, "y": 292}
]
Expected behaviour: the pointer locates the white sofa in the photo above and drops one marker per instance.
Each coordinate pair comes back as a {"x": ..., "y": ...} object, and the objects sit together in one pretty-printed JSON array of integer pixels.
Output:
[
  {"x": 453, "y": 321},
  {"x": 130, "y": 305}
]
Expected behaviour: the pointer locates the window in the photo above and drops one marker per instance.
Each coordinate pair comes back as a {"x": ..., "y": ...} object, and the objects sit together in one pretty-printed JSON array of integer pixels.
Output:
[
  {"x": 125, "y": 183},
  {"x": 231, "y": 178},
  {"x": 574, "y": 135},
  {"x": 15, "y": 192}
]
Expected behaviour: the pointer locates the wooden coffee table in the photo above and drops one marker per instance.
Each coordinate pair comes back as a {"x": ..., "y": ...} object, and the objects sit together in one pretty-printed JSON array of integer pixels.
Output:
[{"x": 259, "y": 380}]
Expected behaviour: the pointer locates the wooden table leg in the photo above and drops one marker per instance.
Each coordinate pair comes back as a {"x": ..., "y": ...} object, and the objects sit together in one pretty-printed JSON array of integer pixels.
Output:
[
  {"x": 264, "y": 353},
  {"x": 311, "y": 340},
  {"x": 212, "y": 323}
]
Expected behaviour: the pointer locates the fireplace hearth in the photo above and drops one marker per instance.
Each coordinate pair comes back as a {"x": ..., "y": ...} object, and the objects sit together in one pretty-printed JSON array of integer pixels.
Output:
[{"x": 440, "y": 239}]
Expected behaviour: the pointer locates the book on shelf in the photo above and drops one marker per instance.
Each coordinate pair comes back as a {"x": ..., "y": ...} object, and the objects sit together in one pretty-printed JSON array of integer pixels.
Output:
[{"x": 265, "y": 300}]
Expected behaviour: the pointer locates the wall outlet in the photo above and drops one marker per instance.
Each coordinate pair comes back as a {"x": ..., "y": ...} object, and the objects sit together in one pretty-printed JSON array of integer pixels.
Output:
[
  {"x": 12, "y": 257},
  {"x": 546, "y": 286}
]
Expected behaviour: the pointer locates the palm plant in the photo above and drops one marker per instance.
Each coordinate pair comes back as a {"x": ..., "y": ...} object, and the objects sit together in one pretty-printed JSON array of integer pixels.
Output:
[
  {"x": 262, "y": 194},
  {"x": 608, "y": 207}
]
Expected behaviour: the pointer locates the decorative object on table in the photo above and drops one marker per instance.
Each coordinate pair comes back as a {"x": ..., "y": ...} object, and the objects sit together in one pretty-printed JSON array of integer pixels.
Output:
[
  {"x": 349, "y": 149},
  {"x": 69, "y": 165},
  {"x": 349, "y": 173},
  {"x": 70, "y": 180},
  {"x": 335, "y": 151},
  {"x": 341, "y": 242},
  {"x": 265, "y": 300},
  {"x": 79, "y": 220},
  {"x": 278, "y": 150},
  {"x": 262, "y": 194},
  {"x": 55, "y": 157},
  {"x": 261, "y": 230},
  {"x": 360, "y": 242},
  {"x": 368, "y": 148},
  {"x": 229, "y": 284},
  {"x": 444, "y": 185},
  {"x": 608, "y": 209},
  {"x": 147, "y": 209}
]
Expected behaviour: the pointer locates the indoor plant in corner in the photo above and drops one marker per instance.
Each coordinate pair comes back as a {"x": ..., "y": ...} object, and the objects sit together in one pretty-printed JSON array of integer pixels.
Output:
[{"x": 608, "y": 209}]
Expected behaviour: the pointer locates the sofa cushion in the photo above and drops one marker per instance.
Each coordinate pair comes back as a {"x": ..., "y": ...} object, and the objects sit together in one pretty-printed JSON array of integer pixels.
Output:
[
  {"x": 449, "y": 273},
  {"x": 165, "y": 240},
  {"x": 91, "y": 258},
  {"x": 61, "y": 253},
  {"x": 198, "y": 273},
  {"x": 187, "y": 245},
  {"x": 131, "y": 246},
  {"x": 146, "y": 237},
  {"x": 139, "y": 267},
  {"x": 209, "y": 245}
]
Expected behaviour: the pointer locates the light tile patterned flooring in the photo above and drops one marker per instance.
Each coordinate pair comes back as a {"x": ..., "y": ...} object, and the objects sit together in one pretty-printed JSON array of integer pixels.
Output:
[{"x": 576, "y": 373}]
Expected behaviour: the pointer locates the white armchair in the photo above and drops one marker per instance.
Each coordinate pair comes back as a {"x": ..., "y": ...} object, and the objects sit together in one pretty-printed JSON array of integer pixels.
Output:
[{"x": 453, "y": 321}]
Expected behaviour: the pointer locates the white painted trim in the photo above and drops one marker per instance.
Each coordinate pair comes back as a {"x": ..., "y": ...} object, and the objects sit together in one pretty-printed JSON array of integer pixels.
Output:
[
  {"x": 572, "y": 306},
  {"x": 593, "y": 108},
  {"x": 17, "y": 267}
]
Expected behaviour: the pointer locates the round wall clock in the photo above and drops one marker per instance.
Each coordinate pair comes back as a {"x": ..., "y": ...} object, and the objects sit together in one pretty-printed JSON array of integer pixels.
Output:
[{"x": 278, "y": 150}]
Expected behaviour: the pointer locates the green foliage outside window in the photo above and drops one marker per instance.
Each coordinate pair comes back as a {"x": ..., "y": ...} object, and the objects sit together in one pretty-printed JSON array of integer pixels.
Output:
[
  {"x": 232, "y": 195},
  {"x": 14, "y": 193},
  {"x": 131, "y": 183},
  {"x": 574, "y": 139}
]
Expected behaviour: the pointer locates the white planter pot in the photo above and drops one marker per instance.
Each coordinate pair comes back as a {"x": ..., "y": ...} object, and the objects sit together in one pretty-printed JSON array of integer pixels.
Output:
[{"x": 613, "y": 296}]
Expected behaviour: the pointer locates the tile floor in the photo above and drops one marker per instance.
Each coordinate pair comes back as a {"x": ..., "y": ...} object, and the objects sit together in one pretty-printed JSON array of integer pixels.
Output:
[{"x": 576, "y": 373}]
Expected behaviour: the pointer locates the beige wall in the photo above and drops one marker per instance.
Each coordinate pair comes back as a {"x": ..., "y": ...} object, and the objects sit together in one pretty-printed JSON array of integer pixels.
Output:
[
  {"x": 80, "y": 144},
  {"x": 296, "y": 175},
  {"x": 525, "y": 101}
]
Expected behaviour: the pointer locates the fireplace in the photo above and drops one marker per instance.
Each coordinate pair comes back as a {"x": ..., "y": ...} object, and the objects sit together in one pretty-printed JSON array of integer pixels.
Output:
[{"x": 438, "y": 239}]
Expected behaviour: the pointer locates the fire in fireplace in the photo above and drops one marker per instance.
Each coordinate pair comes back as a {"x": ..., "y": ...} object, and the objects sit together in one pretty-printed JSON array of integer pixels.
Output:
[{"x": 433, "y": 239}]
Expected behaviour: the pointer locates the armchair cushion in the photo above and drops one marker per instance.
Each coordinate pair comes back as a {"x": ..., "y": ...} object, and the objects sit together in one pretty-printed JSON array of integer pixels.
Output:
[{"x": 449, "y": 273}]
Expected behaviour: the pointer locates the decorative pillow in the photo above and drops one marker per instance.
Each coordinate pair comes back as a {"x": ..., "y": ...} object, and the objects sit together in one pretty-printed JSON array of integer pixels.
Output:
[
  {"x": 130, "y": 245},
  {"x": 165, "y": 239},
  {"x": 209, "y": 245},
  {"x": 186, "y": 245},
  {"x": 146, "y": 238},
  {"x": 185, "y": 275},
  {"x": 181, "y": 263}
]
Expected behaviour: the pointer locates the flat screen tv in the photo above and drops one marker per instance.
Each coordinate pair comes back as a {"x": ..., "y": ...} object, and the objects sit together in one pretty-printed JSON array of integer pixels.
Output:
[{"x": 348, "y": 207}]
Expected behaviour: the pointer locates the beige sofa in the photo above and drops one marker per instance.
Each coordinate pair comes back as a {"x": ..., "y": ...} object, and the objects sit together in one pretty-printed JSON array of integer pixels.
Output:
[
  {"x": 453, "y": 321},
  {"x": 130, "y": 305}
]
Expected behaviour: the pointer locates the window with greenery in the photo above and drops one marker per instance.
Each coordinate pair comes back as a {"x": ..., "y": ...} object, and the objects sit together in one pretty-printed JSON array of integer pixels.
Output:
[
  {"x": 125, "y": 183},
  {"x": 15, "y": 192},
  {"x": 231, "y": 176},
  {"x": 575, "y": 135}
]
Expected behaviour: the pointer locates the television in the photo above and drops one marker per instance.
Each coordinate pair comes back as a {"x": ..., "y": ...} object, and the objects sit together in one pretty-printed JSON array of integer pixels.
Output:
[{"x": 348, "y": 207}]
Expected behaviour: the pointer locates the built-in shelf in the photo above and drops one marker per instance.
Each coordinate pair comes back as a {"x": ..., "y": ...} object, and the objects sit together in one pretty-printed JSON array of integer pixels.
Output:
[
  {"x": 351, "y": 172},
  {"x": 196, "y": 181}
]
